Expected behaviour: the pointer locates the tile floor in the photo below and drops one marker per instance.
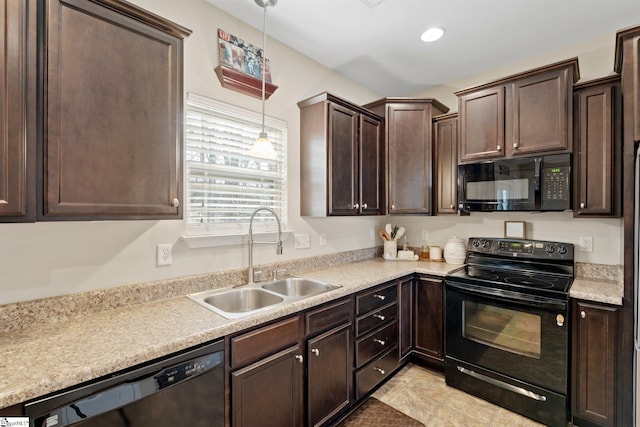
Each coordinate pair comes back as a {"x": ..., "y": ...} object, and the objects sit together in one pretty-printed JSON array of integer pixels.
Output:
[{"x": 422, "y": 394}]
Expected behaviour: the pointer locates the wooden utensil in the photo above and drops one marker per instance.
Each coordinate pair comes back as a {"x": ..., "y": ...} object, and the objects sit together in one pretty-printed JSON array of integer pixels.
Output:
[{"x": 399, "y": 233}]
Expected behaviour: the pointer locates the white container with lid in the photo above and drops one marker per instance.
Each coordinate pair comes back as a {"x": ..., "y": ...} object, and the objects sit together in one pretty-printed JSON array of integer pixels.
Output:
[{"x": 455, "y": 251}]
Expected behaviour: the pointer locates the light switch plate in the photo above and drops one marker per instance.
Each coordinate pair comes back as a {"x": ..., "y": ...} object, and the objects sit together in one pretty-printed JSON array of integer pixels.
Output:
[{"x": 302, "y": 241}]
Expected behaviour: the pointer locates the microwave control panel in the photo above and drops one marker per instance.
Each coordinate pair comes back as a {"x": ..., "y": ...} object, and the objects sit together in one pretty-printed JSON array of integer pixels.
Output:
[{"x": 556, "y": 187}]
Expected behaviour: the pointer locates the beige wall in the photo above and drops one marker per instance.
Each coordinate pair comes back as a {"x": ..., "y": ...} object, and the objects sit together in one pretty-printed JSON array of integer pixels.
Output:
[{"x": 47, "y": 259}]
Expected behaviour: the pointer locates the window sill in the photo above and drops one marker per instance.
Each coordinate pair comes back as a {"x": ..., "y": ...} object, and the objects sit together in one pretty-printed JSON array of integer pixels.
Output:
[{"x": 209, "y": 241}]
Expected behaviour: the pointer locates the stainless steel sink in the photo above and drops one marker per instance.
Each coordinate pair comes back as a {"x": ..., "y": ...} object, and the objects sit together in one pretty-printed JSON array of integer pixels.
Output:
[
  {"x": 298, "y": 286},
  {"x": 245, "y": 300}
]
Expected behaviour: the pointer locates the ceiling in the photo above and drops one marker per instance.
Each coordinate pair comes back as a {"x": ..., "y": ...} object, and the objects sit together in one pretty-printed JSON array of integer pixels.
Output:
[{"x": 377, "y": 42}]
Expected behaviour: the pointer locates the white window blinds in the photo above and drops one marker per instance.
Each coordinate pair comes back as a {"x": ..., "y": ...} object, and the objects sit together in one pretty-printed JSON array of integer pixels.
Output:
[{"x": 224, "y": 185}]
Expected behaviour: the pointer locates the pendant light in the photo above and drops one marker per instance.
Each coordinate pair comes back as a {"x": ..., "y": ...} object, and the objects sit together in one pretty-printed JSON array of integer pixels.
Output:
[{"x": 262, "y": 147}]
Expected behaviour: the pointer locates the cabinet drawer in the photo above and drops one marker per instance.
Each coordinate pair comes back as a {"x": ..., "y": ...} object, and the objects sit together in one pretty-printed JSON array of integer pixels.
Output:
[
  {"x": 376, "y": 372},
  {"x": 376, "y": 298},
  {"x": 327, "y": 317},
  {"x": 376, "y": 343},
  {"x": 376, "y": 319},
  {"x": 261, "y": 342}
]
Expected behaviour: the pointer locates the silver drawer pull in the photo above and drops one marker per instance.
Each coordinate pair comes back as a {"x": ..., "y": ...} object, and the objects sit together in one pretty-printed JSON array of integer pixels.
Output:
[
  {"x": 315, "y": 351},
  {"x": 381, "y": 342},
  {"x": 382, "y": 372},
  {"x": 299, "y": 358},
  {"x": 583, "y": 314},
  {"x": 379, "y": 316},
  {"x": 380, "y": 297}
]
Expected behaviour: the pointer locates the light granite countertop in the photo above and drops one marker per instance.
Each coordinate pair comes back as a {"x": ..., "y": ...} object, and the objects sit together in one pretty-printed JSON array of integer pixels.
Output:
[{"x": 47, "y": 356}]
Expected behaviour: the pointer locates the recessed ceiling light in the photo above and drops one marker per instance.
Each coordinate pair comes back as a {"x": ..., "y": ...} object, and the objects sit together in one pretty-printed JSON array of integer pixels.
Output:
[{"x": 432, "y": 34}]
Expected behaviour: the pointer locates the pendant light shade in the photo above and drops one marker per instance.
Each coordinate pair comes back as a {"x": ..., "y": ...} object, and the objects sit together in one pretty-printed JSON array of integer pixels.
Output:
[{"x": 262, "y": 147}]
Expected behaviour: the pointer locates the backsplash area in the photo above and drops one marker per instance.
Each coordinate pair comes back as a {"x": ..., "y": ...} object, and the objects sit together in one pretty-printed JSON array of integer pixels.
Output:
[{"x": 25, "y": 314}]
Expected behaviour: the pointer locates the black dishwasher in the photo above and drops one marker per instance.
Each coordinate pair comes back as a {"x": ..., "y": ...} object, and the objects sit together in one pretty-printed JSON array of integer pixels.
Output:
[{"x": 182, "y": 390}]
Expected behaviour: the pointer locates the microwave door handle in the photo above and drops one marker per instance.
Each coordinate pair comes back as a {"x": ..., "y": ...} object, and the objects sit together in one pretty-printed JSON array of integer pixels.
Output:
[{"x": 536, "y": 174}]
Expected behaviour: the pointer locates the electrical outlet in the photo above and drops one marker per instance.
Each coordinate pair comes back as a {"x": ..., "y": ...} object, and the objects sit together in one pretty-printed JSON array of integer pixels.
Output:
[
  {"x": 163, "y": 254},
  {"x": 323, "y": 239},
  {"x": 586, "y": 243},
  {"x": 425, "y": 236},
  {"x": 302, "y": 241}
]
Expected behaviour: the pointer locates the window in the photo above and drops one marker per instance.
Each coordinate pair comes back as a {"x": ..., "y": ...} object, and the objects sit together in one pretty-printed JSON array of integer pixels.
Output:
[{"x": 224, "y": 185}]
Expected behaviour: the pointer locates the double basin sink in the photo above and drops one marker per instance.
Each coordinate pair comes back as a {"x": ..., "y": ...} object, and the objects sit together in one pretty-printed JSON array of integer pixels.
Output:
[{"x": 245, "y": 300}]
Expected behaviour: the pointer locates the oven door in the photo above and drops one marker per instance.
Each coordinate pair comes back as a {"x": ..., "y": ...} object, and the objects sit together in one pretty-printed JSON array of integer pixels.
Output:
[
  {"x": 517, "y": 335},
  {"x": 502, "y": 185}
]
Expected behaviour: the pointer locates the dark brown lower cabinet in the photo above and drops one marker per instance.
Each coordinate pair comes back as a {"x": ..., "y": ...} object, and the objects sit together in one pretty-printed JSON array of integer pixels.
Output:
[
  {"x": 278, "y": 368},
  {"x": 593, "y": 364},
  {"x": 329, "y": 373},
  {"x": 269, "y": 392},
  {"x": 405, "y": 315},
  {"x": 429, "y": 320}
]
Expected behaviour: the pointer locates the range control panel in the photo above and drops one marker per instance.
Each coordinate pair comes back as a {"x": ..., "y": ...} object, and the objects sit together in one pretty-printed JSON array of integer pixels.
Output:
[{"x": 534, "y": 249}]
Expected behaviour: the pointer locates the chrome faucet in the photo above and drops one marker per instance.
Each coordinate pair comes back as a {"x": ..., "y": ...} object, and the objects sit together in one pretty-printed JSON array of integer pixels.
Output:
[{"x": 278, "y": 243}]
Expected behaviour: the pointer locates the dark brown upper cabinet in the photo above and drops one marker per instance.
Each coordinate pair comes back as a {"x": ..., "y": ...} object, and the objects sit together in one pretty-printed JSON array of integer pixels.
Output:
[
  {"x": 445, "y": 149},
  {"x": 627, "y": 63},
  {"x": 113, "y": 106},
  {"x": 520, "y": 115},
  {"x": 409, "y": 152},
  {"x": 341, "y": 158},
  {"x": 597, "y": 154},
  {"x": 18, "y": 111}
]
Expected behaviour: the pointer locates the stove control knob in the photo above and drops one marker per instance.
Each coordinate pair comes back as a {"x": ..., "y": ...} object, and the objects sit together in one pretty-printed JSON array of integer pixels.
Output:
[
  {"x": 562, "y": 250},
  {"x": 550, "y": 249},
  {"x": 476, "y": 243}
]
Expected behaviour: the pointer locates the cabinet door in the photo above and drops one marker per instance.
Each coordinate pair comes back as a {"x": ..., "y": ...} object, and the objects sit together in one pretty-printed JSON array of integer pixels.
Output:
[
  {"x": 409, "y": 168},
  {"x": 446, "y": 161},
  {"x": 330, "y": 373},
  {"x": 481, "y": 124},
  {"x": 268, "y": 392},
  {"x": 113, "y": 115},
  {"x": 597, "y": 176},
  {"x": 539, "y": 114},
  {"x": 17, "y": 110},
  {"x": 405, "y": 308},
  {"x": 428, "y": 324},
  {"x": 343, "y": 178},
  {"x": 594, "y": 358},
  {"x": 371, "y": 166}
]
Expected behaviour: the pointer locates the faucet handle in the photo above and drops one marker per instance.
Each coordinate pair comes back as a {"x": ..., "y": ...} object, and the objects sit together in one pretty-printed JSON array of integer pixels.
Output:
[{"x": 277, "y": 273}]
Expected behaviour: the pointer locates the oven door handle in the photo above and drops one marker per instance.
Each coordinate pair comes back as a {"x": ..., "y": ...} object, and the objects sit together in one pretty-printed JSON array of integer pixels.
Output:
[{"x": 509, "y": 296}]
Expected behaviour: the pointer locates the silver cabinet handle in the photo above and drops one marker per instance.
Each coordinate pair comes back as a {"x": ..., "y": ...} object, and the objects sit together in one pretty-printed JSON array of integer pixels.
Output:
[
  {"x": 560, "y": 320},
  {"x": 499, "y": 148},
  {"x": 451, "y": 206},
  {"x": 175, "y": 203},
  {"x": 380, "y": 297},
  {"x": 515, "y": 145},
  {"x": 364, "y": 206},
  {"x": 379, "y": 370},
  {"x": 379, "y": 316},
  {"x": 582, "y": 205},
  {"x": 356, "y": 205},
  {"x": 299, "y": 358},
  {"x": 315, "y": 351},
  {"x": 393, "y": 206},
  {"x": 381, "y": 342},
  {"x": 583, "y": 314}
]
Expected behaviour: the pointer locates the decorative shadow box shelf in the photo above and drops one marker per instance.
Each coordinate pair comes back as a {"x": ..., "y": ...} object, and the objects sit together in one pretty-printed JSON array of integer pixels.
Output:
[{"x": 243, "y": 83}]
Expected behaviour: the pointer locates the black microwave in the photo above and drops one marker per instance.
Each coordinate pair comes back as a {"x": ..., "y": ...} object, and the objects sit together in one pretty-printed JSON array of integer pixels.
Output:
[{"x": 540, "y": 183}]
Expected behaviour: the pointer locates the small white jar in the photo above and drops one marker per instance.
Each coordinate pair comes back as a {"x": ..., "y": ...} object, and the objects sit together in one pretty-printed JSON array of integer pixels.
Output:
[{"x": 455, "y": 251}]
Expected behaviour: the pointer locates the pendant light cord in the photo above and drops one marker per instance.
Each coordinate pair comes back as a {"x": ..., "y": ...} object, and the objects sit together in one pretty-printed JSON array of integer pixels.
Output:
[{"x": 264, "y": 59}]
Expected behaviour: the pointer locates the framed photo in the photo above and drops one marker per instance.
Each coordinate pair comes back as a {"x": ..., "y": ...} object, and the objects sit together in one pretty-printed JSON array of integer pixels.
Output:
[
  {"x": 515, "y": 229},
  {"x": 241, "y": 56}
]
